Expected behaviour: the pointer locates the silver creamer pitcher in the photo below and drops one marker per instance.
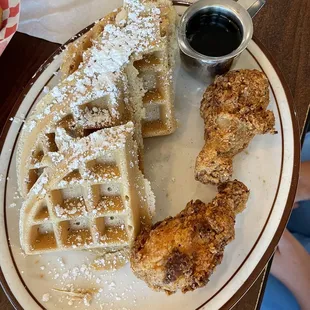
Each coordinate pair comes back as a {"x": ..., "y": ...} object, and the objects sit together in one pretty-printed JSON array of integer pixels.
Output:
[{"x": 200, "y": 65}]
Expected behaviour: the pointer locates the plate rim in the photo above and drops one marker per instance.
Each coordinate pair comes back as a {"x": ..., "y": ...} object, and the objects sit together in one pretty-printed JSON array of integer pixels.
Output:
[{"x": 291, "y": 195}]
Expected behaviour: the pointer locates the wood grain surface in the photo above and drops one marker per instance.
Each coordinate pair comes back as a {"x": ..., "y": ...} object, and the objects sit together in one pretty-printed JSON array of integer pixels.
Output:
[{"x": 283, "y": 26}]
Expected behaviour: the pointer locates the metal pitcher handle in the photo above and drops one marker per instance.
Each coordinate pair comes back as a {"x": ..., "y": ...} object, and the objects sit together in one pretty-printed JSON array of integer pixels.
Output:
[{"x": 252, "y": 8}]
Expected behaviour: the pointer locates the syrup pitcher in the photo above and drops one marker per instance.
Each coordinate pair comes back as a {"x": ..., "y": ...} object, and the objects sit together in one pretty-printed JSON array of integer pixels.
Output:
[{"x": 213, "y": 33}]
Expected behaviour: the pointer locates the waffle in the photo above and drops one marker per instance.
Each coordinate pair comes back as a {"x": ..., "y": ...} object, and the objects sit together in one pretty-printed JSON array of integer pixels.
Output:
[
  {"x": 121, "y": 75},
  {"x": 74, "y": 51},
  {"x": 94, "y": 197},
  {"x": 154, "y": 69}
]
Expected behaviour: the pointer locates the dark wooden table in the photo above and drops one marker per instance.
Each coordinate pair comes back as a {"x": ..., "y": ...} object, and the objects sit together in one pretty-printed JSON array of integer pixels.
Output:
[{"x": 283, "y": 26}]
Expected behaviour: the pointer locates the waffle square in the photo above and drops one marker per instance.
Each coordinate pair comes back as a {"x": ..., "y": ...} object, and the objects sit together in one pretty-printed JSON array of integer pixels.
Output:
[{"x": 92, "y": 195}]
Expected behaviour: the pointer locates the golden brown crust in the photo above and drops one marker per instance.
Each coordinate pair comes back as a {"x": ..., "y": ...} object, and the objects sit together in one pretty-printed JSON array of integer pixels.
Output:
[
  {"x": 234, "y": 111},
  {"x": 182, "y": 252}
]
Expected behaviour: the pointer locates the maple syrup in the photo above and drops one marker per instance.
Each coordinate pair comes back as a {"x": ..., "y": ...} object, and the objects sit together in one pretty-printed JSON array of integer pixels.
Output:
[{"x": 213, "y": 34}]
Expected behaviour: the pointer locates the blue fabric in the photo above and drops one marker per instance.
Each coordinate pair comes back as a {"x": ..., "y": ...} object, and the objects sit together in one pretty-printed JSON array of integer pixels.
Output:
[
  {"x": 305, "y": 153},
  {"x": 277, "y": 296},
  {"x": 299, "y": 222}
]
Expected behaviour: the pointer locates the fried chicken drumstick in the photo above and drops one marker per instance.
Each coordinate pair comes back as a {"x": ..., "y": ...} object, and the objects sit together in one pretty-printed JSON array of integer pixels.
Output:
[
  {"x": 181, "y": 252},
  {"x": 234, "y": 111}
]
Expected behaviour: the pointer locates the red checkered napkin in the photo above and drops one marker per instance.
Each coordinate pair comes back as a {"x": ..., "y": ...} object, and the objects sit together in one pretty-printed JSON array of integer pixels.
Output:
[{"x": 9, "y": 24}]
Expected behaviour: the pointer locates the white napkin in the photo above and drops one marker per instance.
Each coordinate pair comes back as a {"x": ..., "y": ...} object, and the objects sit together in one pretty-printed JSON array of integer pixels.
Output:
[{"x": 59, "y": 20}]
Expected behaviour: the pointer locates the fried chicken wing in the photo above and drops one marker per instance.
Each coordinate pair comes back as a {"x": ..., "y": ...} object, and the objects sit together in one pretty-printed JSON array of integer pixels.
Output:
[
  {"x": 182, "y": 252},
  {"x": 234, "y": 111}
]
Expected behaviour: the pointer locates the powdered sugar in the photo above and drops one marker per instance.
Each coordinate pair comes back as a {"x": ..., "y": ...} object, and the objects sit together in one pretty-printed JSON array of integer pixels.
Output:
[
  {"x": 38, "y": 188},
  {"x": 103, "y": 140},
  {"x": 98, "y": 76},
  {"x": 46, "y": 297}
]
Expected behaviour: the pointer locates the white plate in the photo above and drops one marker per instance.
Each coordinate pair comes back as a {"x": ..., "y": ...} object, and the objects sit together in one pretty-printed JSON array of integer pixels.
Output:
[{"x": 269, "y": 167}]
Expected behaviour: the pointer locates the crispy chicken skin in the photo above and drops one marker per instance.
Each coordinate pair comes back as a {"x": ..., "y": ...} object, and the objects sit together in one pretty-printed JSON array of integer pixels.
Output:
[
  {"x": 182, "y": 252},
  {"x": 234, "y": 111}
]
